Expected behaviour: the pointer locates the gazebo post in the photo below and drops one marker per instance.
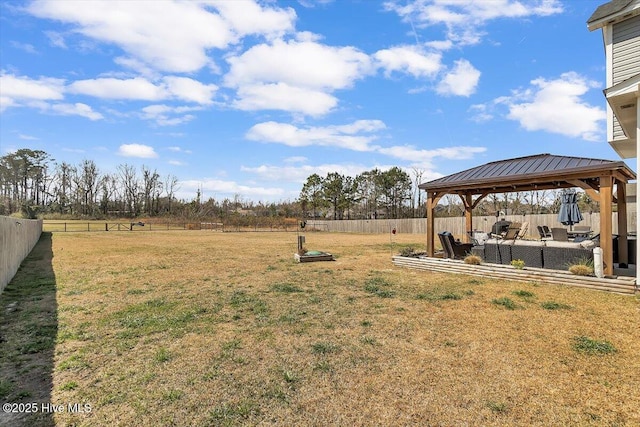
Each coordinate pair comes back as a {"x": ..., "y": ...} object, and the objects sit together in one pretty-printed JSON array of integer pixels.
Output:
[
  {"x": 623, "y": 248},
  {"x": 432, "y": 201},
  {"x": 467, "y": 201},
  {"x": 606, "y": 231},
  {"x": 430, "y": 224}
]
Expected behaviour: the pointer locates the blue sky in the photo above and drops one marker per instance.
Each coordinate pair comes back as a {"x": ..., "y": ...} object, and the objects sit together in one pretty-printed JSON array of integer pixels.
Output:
[{"x": 244, "y": 98}]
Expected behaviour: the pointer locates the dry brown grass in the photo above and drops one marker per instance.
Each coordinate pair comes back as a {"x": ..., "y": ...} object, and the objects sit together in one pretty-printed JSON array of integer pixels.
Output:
[{"x": 201, "y": 328}]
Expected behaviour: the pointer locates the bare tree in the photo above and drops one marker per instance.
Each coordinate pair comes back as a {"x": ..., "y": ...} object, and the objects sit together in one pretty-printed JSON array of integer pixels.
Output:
[
  {"x": 151, "y": 186},
  {"x": 87, "y": 187},
  {"x": 170, "y": 188},
  {"x": 131, "y": 188},
  {"x": 417, "y": 194}
]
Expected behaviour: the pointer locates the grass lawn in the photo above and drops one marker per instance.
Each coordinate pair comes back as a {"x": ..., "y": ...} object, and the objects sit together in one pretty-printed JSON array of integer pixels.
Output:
[{"x": 201, "y": 328}]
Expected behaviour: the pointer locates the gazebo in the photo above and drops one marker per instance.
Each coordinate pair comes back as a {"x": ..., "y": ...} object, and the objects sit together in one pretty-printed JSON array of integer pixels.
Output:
[{"x": 540, "y": 172}]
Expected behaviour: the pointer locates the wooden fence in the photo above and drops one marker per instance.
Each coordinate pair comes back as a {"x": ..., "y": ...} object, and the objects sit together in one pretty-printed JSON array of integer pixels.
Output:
[
  {"x": 86, "y": 226},
  {"x": 368, "y": 226},
  {"x": 456, "y": 224},
  {"x": 17, "y": 238}
]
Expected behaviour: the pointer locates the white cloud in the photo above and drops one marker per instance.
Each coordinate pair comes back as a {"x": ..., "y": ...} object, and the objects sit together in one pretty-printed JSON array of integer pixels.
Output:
[
  {"x": 297, "y": 76},
  {"x": 6, "y": 102},
  {"x": 424, "y": 158},
  {"x": 137, "y": 150},
  {"x": 56, "y": 39},
  {"x": 480, "y": 113},
  {"x": 27, "y": 137},
  {"x": 77, "y": 109},
  {"x": 556, "y": 106},
  {"x": 295, "y": 159},
  {"x": 41, "y": 94},
  {"x": 356, "y": 136},
  {"x": 299, "y": 174},
  {"x": 464, "y": 20},
  {"x": 220, "y": 187},
  {"x": 281, "y": 96},
  {"x": 137, "y": 88},
  {"x": 302, "y": 64},
  {"x": 176, "y": 163},
  {"x": 190, "y": 90},
  {"x": 409, "y": 59},
  {"x": 27, "y": 47},
  {"x": 20, "y": 88},
  {"x": 165, "y": 115},
  {"x": 440, "y": 44},
  {"x": 139, "y": 67},
  {"x": 249, "y": 17},
  {"x": 462, "y": 80},
  {"x": 176, "y": 149},
  {"x": 168, "y": 35}
]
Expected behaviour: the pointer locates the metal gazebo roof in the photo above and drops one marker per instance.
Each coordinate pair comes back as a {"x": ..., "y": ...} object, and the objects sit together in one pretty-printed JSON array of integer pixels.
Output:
[{"x": 536, "y": 172}]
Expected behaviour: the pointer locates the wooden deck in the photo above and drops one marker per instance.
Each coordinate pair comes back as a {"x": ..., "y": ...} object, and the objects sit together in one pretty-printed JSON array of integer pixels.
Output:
[{"x": 621, "y": 285}]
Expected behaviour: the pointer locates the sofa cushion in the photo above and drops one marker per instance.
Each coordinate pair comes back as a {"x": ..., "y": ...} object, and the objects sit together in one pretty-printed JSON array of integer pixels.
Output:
[
  {"x": 532, "y": 243},
  {"x": 499, "y": 242},
  {"x": 588, "y": 244},
  {"x": 557, "y": 244}
]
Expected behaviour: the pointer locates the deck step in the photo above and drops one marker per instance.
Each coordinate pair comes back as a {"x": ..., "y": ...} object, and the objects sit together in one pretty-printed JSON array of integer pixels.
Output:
[{"x": 619, "y": 285}]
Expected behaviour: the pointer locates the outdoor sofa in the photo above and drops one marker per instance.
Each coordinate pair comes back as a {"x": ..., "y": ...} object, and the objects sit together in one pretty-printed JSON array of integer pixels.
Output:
[{"x": 536, "y": 253}]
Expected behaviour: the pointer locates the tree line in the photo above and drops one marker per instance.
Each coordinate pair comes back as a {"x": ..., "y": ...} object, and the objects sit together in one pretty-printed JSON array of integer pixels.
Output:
[
  {"x": 33, "y": 183},
  {"x": 371, "y": 194},
  {"x": 395, "y": 194}
]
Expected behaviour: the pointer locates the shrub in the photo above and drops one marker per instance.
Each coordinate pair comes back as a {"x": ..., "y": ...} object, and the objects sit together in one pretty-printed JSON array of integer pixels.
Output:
[
  {"x": 518, "y": 263},
  {"x": 523, "y": 294},
  {"x": 590, "y": 346},
  {"x": 505, "y": 302},
  {"x": 552, "y": 305},
  {"x": 473, "y": 260},
  {"x": 581, "y": 270},
  {"x": 376, "y": 286},
  {"x": 498, "y": 407},
  {"x": 408, "y": 251},
  {"x": 582, "y": 267}
]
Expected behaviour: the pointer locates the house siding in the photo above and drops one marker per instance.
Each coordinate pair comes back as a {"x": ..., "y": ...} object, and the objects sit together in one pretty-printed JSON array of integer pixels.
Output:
[
  {"x": 626, "y": 49},
  {"x": 618, "y": 133},
  {"x": 625, "y": 59}
]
